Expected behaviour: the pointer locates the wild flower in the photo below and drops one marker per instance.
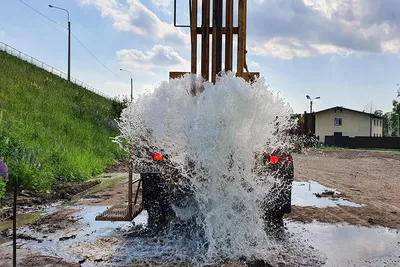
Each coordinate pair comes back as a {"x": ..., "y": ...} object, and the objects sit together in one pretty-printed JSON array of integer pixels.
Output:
[{"x": 3, "y": 169}]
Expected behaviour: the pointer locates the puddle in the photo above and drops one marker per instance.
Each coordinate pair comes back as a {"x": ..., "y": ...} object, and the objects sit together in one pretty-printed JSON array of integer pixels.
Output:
[
  {"x": 86, "y": 232},
  {"x": 347, "y": 245},
  {"x": 303, "y": 194},
  {"x": 337, "y": 245},
  {"x": 22, "y": 219}
]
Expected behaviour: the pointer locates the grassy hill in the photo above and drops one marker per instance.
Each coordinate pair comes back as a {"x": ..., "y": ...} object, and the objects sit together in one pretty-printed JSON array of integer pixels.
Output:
[{"x": 51, "y": 129}]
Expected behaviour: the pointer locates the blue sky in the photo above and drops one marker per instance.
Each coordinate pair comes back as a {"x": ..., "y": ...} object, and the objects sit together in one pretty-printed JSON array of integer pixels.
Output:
[{"x": 345, "y": 51}]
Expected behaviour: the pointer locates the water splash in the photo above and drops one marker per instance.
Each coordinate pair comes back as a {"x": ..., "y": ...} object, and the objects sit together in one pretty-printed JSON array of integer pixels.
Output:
[{"x": 221, "y": 129}]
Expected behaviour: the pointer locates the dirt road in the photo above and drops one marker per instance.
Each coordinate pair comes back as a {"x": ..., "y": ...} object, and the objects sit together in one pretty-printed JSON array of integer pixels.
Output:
[{"x": 368, "y": 177}]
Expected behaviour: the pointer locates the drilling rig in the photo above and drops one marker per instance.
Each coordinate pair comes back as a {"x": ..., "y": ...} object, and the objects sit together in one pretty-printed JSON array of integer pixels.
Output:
[
  {"x": 218, "y": 32},
  {"x": 156, "y": 196}
]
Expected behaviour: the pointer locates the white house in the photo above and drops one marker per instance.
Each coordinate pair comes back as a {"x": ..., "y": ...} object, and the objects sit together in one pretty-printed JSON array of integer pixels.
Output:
[{"x": 342, "y": 121}]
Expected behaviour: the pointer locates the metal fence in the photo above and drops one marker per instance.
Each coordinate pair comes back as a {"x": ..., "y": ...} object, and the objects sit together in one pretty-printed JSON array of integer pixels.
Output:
[{"x": 21, "y": 55}]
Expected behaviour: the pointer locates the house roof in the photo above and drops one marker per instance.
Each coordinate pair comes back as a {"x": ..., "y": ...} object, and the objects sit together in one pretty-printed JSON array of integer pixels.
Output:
[{"x": 365, "y": 113}]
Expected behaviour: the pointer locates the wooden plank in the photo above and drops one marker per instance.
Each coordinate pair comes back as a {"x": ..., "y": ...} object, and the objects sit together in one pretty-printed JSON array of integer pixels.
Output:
[
  {"x": 193, "y": 33},
  {"x": 205, "y": 39},
  {"x": 229, "y": 35},
  {"x": 241, "y": 47}
]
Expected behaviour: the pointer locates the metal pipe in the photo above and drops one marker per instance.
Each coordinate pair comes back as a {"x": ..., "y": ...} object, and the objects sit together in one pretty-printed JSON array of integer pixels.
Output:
[
  {"x": 69, "y": 40},
  {"x": 15, "y": 223},
  {"x": 131, "y": 82},
  {"x": 205, "y": 40}
]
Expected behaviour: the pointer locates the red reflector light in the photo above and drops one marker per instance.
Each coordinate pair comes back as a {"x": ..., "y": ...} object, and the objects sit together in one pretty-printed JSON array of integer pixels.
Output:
[
  {"x": 157, "y": 157},
  {"x": 274, "y": 159}
]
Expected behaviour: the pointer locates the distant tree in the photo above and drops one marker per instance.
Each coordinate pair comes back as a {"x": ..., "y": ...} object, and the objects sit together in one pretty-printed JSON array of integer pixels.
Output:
[
  {"x": 378, "y": 113},
  {"x": 118, "y": 104},
  {"x": 395, "y": 116},
  {"x": 386, "y": 126},
  {"x": 370, "y": 107}
]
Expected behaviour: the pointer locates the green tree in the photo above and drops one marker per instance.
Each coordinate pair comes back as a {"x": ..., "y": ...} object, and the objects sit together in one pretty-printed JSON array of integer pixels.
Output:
[{"x": 395, "y": 118}]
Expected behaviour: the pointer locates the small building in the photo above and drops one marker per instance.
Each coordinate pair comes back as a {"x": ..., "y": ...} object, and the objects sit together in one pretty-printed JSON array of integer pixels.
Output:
[{"x": 340, "y": 121}]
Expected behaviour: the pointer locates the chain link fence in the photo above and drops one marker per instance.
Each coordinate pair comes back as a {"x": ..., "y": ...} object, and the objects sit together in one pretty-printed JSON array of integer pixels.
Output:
[{"x": 15, "y": 52}]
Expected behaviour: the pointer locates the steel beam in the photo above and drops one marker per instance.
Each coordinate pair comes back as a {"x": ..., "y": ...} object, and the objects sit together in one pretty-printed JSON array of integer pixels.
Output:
[
  {"x": 193, "y": 34},
  {"x": 218, "y": 34},
  {"x": 214, "y": 44},
  {"x": 205, "y": 31},
  {"x": 229, "y": 35},
  {"x": 241, "y": 47}
]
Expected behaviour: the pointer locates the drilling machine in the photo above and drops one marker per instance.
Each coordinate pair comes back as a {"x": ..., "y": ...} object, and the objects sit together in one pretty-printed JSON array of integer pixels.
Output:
[
  {"x": 156, "y": 196},
  {"x": 217, "y": 31}
]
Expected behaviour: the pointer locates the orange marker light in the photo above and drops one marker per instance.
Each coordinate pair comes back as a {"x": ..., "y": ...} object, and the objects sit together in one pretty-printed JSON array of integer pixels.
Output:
[
  {"x": 157, "y": 157},
  {"x": 274, "y": 159}
]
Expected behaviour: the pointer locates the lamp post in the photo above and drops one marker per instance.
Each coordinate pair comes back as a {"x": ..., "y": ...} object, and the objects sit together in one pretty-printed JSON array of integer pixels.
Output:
[
  {"x": 69, "y": 41},
  {"x": 131, "y": 82},
  {"x": 311, "y": 101}
]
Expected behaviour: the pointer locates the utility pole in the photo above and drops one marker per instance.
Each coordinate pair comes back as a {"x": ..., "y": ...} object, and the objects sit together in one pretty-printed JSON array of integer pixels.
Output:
[
  {"x": 69, "y": 41},
  {"x": 131, "y": 82},
  {"x": 311, "y": 101}
]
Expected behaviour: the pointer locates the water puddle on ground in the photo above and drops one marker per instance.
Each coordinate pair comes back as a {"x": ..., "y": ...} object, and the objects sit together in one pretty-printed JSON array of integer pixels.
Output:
[
  {"x": 348, "y": 245},
  {"x": 102, "y": 243},
  {"x": 303, "y": 194}
]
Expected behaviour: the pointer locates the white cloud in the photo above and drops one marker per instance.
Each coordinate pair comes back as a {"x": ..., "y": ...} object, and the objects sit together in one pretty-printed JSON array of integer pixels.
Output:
[
  {"x": 121, "y": 89},
  {"x": 307, "y": 28},
  {"x": 162, "y": 3},
  {"x": 288, "y": 48},
  {"x": 160, "y": 57},
  {"x": 137, "y": 18}
]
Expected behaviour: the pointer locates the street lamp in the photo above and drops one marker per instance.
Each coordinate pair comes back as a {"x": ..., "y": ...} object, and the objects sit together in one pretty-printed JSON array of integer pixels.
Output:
[
  {"x": 69, "y": 41},
  {"x": 131, "y": 83},
  {"x": 311, "y": 101}
]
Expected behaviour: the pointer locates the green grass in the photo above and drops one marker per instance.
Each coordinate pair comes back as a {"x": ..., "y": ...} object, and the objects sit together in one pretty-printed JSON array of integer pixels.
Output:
[
  {"x": 66, "y": 126},
  {"x": 107, "y": 183}
]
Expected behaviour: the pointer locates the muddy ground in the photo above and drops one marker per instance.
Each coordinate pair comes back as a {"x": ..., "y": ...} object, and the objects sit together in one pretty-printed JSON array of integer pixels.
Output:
[{"x": 367, "y": 177}]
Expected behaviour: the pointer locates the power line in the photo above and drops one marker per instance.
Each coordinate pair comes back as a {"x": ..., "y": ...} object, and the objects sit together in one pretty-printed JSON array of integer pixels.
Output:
[
  {"x": 95, "y": 56},
  {"x": 73, "y": 36},
  {"x": 44, "y": 15}
]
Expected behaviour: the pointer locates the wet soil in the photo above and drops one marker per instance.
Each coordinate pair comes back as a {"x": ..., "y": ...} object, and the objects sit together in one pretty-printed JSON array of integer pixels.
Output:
[
  {"x": 29, "y": 201},
  {"x": 368, "y": 177}
]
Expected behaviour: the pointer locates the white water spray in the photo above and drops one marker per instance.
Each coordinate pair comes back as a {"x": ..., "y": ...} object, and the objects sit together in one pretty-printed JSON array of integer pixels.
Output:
[{"x": 221, "y": 130}]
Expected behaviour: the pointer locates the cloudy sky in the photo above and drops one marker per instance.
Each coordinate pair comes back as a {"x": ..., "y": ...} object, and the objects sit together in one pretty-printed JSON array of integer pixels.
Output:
[{"x": 345, "y": 51}]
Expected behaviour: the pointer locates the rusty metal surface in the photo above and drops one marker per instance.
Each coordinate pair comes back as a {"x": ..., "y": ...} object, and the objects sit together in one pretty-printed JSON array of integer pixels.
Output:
[
  {"x": 205, "y": 39},
  {"x": 177, "y": 74},
  {"x": 217, "y": 30},
  {"x": 193, "y": 35},
  {"x": 253, "y": 76},
  {"x": 224, "y": 30},
  {"x": 241, "y": 47},
  {"x": 218, "y": 24},
  {"x": 229, "y": 35},
  {"x": 214, "y": 45}
]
